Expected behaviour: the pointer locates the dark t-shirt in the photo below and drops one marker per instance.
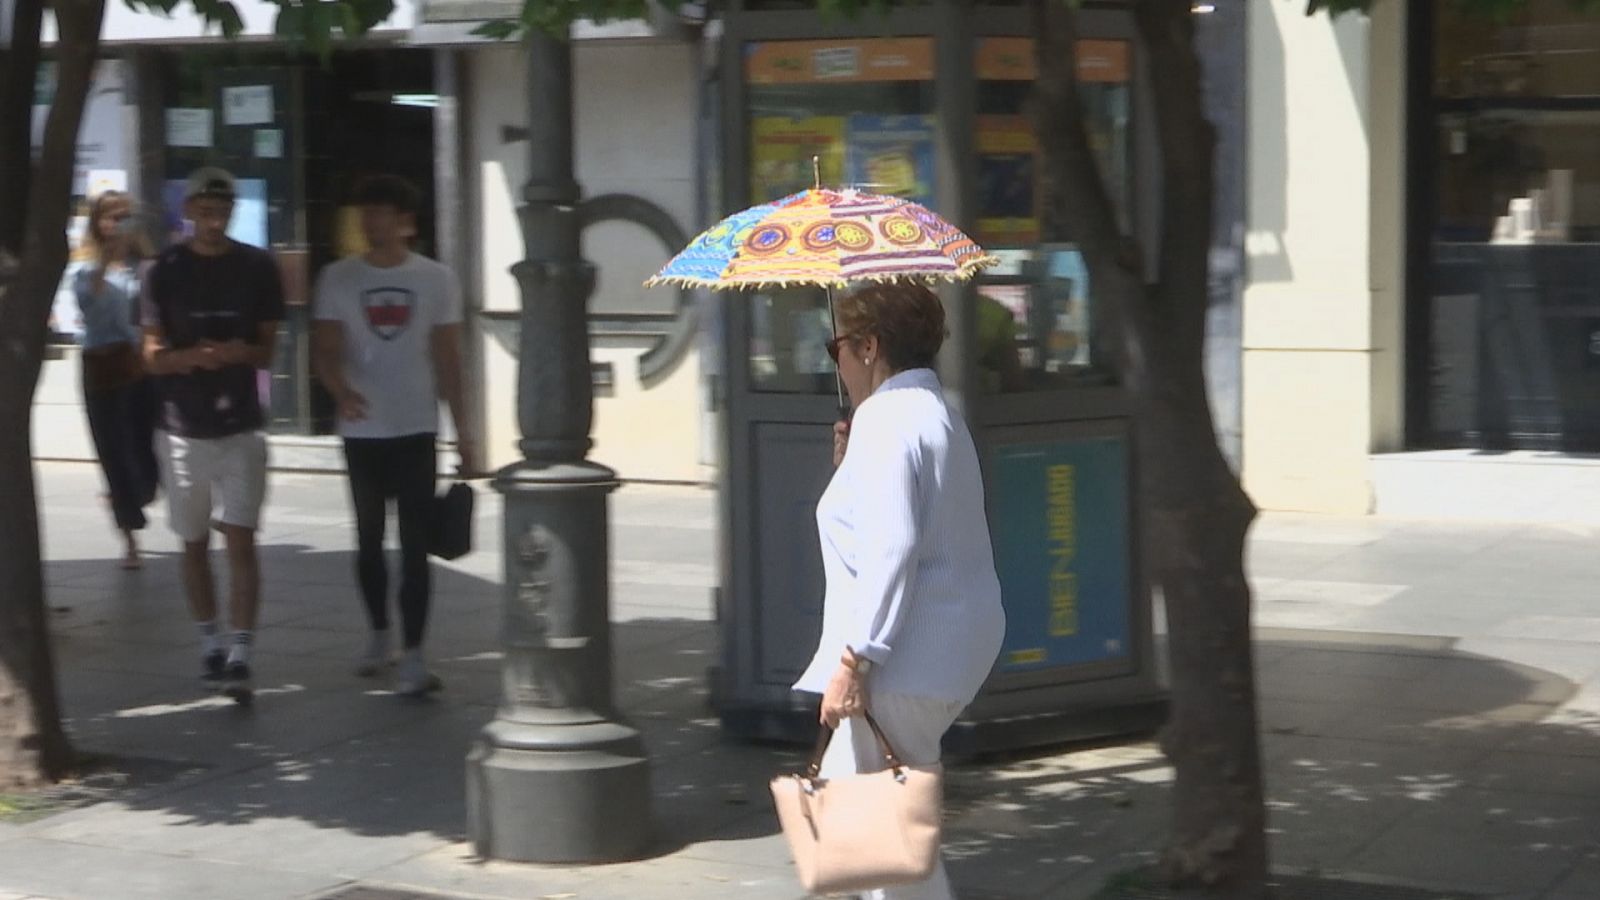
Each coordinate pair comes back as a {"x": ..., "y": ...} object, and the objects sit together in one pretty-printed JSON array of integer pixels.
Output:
[{"x": 192, "y": 297}]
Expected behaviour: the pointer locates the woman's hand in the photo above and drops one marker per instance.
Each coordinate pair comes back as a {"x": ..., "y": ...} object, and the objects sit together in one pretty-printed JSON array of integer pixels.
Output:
[
  {"x": 845, "y": 696},
  {"x": 841, "y": 441}
]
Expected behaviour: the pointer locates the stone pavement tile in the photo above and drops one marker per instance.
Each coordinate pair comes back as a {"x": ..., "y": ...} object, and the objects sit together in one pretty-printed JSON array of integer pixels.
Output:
[
  {"x": 1571, "y": 659},
  {"x": 1090, "y": 880},
  {"x": 103, "y": 653},
  {"x": 1377, "y": 766},
  {"x": 681, "y": 876},
  {"x": 1328, "y": 798},
  {"x": 1582, "y": 882},
  {"x": 286, "y": 719},
  {"x": 1379, "y": 661},
  {"x": 1307, "y": 717},
  {"x": 1031, "y": 824},
  {"x": 1469, "y": 685},
  {"x": 83, "y": 872},
  {"x": 1485, "y": 840},
  {"x": 115, "y": 825},
  {"x": 1487, "y": 729},
  {"x": 1572, "y": 730},
  {"x": 454, "y": 869},
  {"x": 306, "y": 847},
  {"x": 87, "y": 691},
  {"x": 1288, "y": 681},
  {"x": 1539, "y": 773},
  {"x": 1313, "y": 529},
  {"x": 1429, "y": 611},
  {"x": 1268, "y": 558},
  {"x": 719, "y": 794},
  {"x": 1551, "y": 627}
]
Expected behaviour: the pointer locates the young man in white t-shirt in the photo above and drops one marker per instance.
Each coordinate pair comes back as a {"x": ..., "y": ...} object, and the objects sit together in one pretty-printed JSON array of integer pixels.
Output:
[{"x": 387, "y": 346}]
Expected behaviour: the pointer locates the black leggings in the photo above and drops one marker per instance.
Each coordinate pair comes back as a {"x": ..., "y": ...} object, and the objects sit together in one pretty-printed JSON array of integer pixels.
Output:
[
  {"x": 402, "y": 469},
  {"x": 122, "y": 421}
]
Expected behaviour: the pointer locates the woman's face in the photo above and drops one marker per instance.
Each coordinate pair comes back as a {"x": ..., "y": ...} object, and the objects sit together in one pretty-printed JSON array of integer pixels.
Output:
[
  {"x": 855, "y": 354},
  {"x": 109, "y": 228}
]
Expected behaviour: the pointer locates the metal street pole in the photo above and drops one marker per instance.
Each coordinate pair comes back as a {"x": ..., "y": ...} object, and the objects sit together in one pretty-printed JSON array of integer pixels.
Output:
[{"x": 558, "y": 776}]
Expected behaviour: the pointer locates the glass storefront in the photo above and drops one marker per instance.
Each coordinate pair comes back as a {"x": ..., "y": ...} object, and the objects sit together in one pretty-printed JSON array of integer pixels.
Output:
[
  {"x": 297, "y": 134},
  {"x": 1506, "y": 326}
]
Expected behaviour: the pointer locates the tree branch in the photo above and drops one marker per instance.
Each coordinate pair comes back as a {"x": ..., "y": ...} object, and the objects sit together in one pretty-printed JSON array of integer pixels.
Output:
[
  {"x": 19, "y": 67},
  {"x": 44, "y": 241},
  {"x": 1188, "y": 150},
  {"x": 1073, "y": 192}
]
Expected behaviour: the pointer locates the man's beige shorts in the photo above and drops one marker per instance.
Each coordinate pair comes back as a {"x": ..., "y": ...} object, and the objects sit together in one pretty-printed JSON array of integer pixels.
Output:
[{"x": 209, "y": 482}]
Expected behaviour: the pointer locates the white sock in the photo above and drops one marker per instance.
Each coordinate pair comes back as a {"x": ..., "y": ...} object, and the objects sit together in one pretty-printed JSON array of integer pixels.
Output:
[
  {"x": 242, "y": 642},
  {"x": 210, "y": 636}
]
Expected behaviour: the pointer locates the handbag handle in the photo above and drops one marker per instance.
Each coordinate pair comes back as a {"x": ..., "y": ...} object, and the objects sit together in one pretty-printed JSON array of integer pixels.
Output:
[{"x": 825, "y": 736}]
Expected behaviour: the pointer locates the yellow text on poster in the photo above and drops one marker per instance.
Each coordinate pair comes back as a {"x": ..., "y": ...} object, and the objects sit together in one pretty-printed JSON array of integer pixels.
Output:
[
  {"x": 781, "y": 150},
  {"x": 1061, "y": 507}
]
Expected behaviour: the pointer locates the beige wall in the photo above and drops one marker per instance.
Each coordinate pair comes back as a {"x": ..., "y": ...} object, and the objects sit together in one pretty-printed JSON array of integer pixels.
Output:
[
  {"x": 635, "y": 120},
  {"x": 1322, "y": 340}
]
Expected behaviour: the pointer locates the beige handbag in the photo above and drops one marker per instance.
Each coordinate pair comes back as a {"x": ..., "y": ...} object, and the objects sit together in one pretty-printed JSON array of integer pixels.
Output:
[{"x": 861, "y": 832}]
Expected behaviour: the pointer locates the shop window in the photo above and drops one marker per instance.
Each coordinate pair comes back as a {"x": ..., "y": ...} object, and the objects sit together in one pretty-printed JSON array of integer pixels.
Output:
[{"x": 1511, "y": 355}]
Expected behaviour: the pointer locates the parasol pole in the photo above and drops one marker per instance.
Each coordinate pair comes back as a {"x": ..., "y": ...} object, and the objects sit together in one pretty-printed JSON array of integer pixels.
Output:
[
  {"x": 838, "y": 380},
  {"x": 833, "y": 324}
]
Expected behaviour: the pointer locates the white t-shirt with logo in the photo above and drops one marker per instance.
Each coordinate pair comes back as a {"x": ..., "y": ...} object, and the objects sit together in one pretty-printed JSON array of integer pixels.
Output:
[{"x": 388, "y": 316}]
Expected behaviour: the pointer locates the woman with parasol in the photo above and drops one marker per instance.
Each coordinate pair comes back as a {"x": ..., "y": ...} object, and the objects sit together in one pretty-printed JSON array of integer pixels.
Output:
[{"x": 912, "y": 619}]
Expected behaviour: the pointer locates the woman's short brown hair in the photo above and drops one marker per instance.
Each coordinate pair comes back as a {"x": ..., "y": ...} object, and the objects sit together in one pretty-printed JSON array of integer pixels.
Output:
[{"x": 906, "y": 318}]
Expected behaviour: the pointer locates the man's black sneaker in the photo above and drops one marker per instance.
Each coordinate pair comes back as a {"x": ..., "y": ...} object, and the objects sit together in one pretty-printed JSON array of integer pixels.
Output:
[
  {"x": 213, "y": 670},
  {"x": 236, "y": 681}
]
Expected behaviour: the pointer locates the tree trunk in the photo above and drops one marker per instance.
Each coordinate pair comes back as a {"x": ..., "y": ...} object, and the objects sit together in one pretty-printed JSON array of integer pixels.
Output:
[
  {"x": 19, "y": 67},
  {"x": 1198, "y": 515},
  {"x": 33, "y": 745}
]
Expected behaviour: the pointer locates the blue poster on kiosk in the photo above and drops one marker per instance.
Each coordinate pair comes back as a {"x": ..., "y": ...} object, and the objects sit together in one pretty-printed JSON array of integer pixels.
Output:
[{"x": 1062, "y": 548}]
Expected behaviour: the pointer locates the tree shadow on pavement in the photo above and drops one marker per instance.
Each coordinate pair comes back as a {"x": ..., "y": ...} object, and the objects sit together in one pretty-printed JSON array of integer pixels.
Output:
[
  {"x": 332, "y": 751},
  {"x": 1390, "y": 756}
]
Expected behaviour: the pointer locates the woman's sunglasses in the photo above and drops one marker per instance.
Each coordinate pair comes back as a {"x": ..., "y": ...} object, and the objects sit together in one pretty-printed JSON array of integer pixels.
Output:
[{"x": 833, "y": 345}]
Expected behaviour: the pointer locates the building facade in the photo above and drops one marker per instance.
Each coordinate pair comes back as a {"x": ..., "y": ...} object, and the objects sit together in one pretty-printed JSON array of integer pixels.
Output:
[
  {"x": 1421, "y": 326},
  {"x": 445, "y": 110}
]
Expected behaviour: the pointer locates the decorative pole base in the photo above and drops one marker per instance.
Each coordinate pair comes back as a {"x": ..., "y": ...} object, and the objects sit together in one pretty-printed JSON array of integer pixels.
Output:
[
  {"x": 558, "y": 776},
  {"x": 562, "y": 794}
]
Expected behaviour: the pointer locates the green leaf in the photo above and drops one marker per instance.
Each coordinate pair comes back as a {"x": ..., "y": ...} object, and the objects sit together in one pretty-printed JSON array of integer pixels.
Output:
[
  {"x": 372, "y": 13},
  {"x": 232, "y": 23},
  {"x": 499, "y": 29},
  {"x": 291, "y": 22}
]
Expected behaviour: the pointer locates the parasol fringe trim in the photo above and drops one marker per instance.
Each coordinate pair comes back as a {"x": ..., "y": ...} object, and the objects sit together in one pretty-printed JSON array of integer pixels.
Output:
[{"x": 965, "y": 273}]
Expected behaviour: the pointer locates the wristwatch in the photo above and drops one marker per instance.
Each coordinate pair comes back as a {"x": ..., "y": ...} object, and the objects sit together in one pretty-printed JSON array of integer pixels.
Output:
[{"x": 857, "y": 663}]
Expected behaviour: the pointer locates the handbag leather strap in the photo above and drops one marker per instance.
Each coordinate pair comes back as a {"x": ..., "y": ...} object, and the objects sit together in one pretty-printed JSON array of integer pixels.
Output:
[{"x": 825, "y": 736}]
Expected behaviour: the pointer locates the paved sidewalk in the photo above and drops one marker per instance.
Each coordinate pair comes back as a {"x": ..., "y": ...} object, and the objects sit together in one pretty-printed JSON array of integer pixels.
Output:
[{"x": 1431, "y": 696}]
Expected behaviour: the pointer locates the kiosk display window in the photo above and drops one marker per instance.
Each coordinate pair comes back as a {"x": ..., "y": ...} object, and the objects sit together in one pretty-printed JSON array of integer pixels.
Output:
[
  {"x": 863, "y": 109},
  {"x": 1035, "y": 310}
]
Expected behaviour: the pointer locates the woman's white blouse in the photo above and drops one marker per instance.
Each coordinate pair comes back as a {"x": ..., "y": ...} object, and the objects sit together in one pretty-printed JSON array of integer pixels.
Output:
[{"x": 910, "y": 572}]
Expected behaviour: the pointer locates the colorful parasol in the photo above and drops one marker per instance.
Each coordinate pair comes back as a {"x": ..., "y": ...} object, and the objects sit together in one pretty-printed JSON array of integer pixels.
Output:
[{"x": 826, "y": 238}]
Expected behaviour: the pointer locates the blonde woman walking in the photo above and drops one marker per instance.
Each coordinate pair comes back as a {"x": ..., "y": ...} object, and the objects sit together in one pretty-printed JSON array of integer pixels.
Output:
[{"x": 117, "y": 396}]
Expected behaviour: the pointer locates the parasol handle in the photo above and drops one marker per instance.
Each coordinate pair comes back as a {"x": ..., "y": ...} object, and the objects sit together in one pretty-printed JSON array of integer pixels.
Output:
[{"x": 833, "y": 331}]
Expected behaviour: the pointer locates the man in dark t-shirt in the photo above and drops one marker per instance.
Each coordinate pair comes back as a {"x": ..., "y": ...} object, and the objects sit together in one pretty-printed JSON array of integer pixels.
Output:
[{"x": 210, "y": 312}]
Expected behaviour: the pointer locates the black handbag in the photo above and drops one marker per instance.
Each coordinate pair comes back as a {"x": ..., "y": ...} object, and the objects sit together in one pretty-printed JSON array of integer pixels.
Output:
[{"x": 450, "y": 536}]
